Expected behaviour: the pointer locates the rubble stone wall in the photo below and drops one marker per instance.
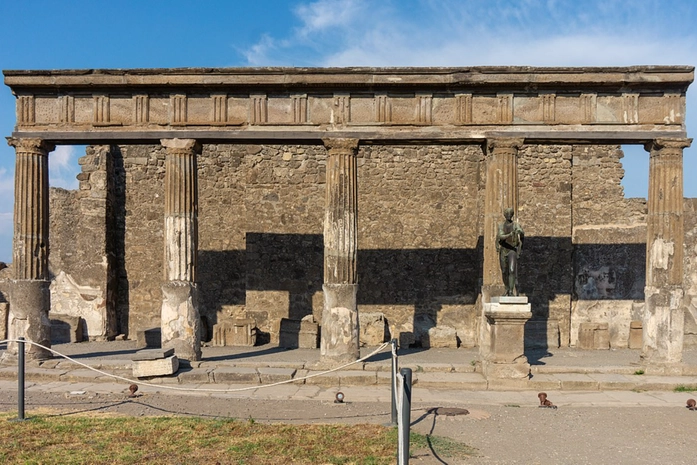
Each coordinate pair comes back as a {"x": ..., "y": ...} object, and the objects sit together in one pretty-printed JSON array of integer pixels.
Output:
[{"x": 260, "y": 217}]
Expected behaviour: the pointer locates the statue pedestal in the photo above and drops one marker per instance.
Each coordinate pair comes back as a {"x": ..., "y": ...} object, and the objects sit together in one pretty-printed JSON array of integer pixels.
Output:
[{"x": 503, "y": 338}]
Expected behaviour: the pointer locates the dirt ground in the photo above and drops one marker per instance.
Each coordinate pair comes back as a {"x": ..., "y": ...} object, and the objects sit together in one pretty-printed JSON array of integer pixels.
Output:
[{"x": 501, "y": 434}]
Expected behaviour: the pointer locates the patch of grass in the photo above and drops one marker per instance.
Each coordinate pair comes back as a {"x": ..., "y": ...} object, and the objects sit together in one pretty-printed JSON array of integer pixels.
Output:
[
  {"x": 682, "y": 388},
  {"x": 74, "y": 440},
  {"x": 512, "y": 405},
  {"x": 639, "y": 372},
  {"x": 443, "y": 447}
]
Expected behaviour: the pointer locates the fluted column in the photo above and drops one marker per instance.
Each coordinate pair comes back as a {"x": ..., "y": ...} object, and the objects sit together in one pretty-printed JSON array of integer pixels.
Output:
[
  {"x": 664, "y": 313},
  {"x": 29, "y": 294},
  {"x": 339, "y": 341},
  {"x": 180, "y": 314},
  {"x": 501, "y": 193}
]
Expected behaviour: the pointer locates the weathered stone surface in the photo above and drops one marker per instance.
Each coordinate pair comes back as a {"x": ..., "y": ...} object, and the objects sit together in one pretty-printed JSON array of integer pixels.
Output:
[
  {"x": 339, "y": 334},
  {"x": 373, "y": 328},
  {"x": 440, "y": 337},
  {"x": 152, "y": 354},
  {"x": 503, "y": 346},
  {"x": 235, "y": 332},
  {"x": 4, "y": 310},
  {"x": 157, "y": 367},
  {"x": 66, "y": 328},
  {"x": 180, "y": 319},
  {"x": 301, "y": 334},
  {"x": 635, "y": 334},
  {"x": 149, "y": 338},
  {"x": 593, "y": 336},
  {"x": 28, "y": 317}
]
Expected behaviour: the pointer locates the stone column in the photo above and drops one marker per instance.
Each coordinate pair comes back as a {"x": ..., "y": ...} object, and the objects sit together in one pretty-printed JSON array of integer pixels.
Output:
[
  {"x": 339, "y": 341},
  {"x": 501, "y": 193},
  {"x": 180, "y": 315},
  {"x": 29, "y": 291},
  {"x": 663, "y": 322}
]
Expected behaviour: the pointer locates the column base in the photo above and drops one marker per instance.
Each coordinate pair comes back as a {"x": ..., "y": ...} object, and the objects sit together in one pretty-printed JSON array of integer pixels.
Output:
[
  {"x": 30, "y": 301},
  {"x": 180, "y": 319},
  {"x": 663, "y": 326},
  {"x": 339, "y": 334}
]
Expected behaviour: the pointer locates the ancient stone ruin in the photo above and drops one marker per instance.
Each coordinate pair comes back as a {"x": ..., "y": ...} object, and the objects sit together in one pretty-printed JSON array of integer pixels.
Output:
[{"x": 281, "y": 204}]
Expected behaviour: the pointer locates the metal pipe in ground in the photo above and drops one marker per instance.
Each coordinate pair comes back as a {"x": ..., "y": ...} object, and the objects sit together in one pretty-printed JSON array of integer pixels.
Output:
[
  {"x": 20, "y": 379},
  {"x": 395, "y": 367},
  {"x": 404, "y": 426}
]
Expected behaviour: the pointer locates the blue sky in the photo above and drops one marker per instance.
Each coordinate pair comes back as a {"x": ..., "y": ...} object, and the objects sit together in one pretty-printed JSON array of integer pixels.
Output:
[{"x": 66, "y": 34}]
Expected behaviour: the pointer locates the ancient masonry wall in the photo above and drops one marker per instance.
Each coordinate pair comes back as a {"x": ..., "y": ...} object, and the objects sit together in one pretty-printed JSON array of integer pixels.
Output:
[{"x": 261, "y": 211}]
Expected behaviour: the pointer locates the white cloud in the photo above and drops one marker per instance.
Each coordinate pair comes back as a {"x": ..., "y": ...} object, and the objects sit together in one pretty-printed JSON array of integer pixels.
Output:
[
  {"x": 63, "y": 167},
  {"x": 324, "y": 14}
]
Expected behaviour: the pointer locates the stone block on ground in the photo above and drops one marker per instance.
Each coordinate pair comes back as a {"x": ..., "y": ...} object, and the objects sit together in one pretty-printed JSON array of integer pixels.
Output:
[
  {"x": 373, "y": 328},
  {"x": 636, "y": 334},
  {"x": 594, "y": 336},
  {"x": 298, "y": 334},
  {"x": 235, "y": 332},
  {"x": 542, "y": 334},
  {"x": 440, "y": 337},
  {"x": 157, "y": 367},
  {"x": 66, "y": 328},
  {"x": 152, "y": 354},
  {"x": 149, "y": 338}
]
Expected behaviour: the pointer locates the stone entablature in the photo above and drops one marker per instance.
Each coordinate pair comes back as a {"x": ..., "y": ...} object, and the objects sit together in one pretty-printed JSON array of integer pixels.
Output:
[{"x": 632, "y": 103}]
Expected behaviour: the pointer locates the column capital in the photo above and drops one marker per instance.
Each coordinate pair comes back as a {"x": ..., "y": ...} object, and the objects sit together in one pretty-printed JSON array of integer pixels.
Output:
[
  {"x": 670, "y": 144},
  {"x": 504, "y": 144},
  {"x": 341, "y": 144},
  {"x": 36, "y": 146},
  {"x": 181, "y": 146}
]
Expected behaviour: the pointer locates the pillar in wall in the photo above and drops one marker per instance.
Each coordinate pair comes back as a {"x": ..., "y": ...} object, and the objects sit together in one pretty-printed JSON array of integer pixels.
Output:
[
  {"x": 29, "y": 291},
  {"x": 340, "y": 337},
  {"x": 663, "y": 321},
  {"x": 180, "y": 315},
  {"x": 501, "y": 193}
]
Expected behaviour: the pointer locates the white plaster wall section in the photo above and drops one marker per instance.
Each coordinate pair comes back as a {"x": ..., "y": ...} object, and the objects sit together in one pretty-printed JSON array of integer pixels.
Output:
[{"x": 87, "y": 302}]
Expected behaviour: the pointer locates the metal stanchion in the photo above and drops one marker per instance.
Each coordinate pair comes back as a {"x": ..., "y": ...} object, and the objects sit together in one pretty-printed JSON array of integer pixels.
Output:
[
  {"x": 405, "y": 416},
  {"x": 20, "y": 379},
  {"x": 394, "y": 381}
]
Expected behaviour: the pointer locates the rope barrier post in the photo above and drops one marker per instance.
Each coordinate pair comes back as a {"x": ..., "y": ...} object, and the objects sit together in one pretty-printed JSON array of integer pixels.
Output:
[
  {"x": 20, "y": 379},
  {"x": 395, "y": 367},
  {"x": 405, "y": 414}
]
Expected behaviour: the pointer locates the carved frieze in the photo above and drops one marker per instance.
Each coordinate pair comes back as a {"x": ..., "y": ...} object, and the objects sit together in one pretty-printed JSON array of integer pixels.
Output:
[{"x": 376, "y": 101}]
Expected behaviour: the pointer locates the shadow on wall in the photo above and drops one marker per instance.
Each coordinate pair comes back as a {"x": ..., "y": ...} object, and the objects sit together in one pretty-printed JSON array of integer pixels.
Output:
[
  {"x": 281, "y": 276},
  {"x": 554, "y": 273}
]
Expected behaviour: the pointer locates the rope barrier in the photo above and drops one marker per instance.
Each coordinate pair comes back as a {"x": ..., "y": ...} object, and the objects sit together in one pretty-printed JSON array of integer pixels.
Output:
[{"x": 175, "y": 388}]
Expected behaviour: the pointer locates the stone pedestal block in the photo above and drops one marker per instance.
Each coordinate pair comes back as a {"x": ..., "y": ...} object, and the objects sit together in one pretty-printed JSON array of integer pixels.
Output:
[
  {"x": 149, "y": 338},
  {"x": 373, "y": 329},
  {"x": 237, "y": 332},
  {"x": 300, "y": 334},
  {"x": 635, "y": 334},
  {"x": 155, "y": 362},
  {"x": 440, "y": 337},
  {"x": 339, "y": 340},
  {"x": 504, "y": 358},
  {"x": 66, "y": 328},
  {"x": 594, "y": 336},
  {"x": 180, "y": 319},
  {"x": 542, "y": 334}
]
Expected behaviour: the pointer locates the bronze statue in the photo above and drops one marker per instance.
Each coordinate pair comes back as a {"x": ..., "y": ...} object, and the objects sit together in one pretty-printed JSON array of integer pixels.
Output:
[{"x": 509, "y": 242}]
